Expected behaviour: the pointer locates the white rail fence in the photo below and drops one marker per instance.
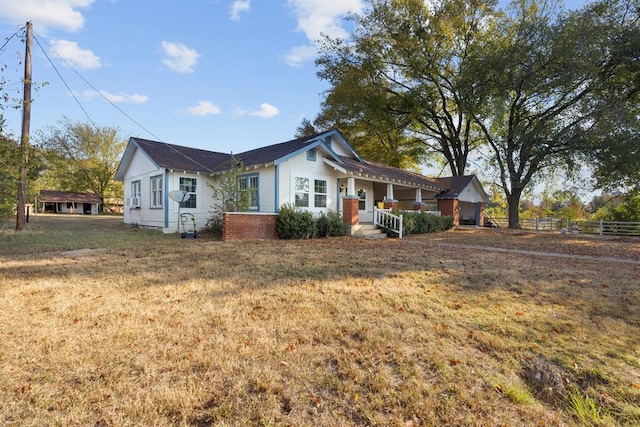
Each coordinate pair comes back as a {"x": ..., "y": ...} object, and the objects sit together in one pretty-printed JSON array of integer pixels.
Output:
[
  {"x": 615, "y": 228},
  {"x": 384, "y": 218}
]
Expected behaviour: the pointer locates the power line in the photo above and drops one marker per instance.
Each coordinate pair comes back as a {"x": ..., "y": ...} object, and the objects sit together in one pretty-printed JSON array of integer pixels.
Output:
[
  {"x": 21, "y": 29},
  {"x": 66, "y": 85},
  {"x": 92, "y": 87}
]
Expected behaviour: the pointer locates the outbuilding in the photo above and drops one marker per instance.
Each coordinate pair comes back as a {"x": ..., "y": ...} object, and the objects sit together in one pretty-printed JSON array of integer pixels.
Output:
[{"x": 68, "y": 202}]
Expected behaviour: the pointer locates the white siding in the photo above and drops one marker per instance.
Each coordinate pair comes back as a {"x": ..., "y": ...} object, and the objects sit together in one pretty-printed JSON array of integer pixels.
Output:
[
  {"x": 339, "y": 148},
  {"x": 204, "y": 199},
  {"x": 471, "y": 193},
  {"x": 299, "y": 166},
  {"x": 141, "y": 169},
  {"x": 267, "y": 188}
]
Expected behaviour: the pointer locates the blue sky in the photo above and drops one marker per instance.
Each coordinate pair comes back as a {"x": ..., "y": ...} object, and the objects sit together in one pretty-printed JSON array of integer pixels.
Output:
[
  {"x": 223, "y": 75},
  {"x": 214, "y": 74}
]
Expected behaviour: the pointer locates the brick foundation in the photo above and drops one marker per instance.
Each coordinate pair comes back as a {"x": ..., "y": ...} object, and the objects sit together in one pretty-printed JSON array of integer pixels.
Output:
[{"x": 245, "y": 225}]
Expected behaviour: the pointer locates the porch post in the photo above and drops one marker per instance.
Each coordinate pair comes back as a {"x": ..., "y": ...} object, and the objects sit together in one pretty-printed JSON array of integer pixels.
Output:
[
  {"x": 390, "y": 202},
  {"x": 418, "y": 205},
  {"x": 350, "y": 211},
  {"x": 351, "y": 187}
]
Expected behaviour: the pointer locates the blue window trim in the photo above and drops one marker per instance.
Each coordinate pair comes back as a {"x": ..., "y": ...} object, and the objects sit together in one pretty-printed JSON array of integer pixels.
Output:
[
  {"x": 311, "y": 154},
  {"x": 247, "y": 176}
]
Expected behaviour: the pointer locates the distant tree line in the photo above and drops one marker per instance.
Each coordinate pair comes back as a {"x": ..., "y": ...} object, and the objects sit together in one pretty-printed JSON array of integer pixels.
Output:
[{"x": 70, "y": 156}]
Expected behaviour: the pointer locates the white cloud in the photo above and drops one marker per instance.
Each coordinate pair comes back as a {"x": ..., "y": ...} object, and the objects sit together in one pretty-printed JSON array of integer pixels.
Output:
[
  {"x": 300, "y": 54},
  {"x": 317, "y": 18},
  {"x": 178, "y": 57},
  {"x": 238, "y": 7},
  {"x": 120, "y": 98},
  {"x": 204, "y": 108},
  {"x": 74, "y": 55},
  {"x": 266, "y": 111},
  {"x": 45, "y": 13}
]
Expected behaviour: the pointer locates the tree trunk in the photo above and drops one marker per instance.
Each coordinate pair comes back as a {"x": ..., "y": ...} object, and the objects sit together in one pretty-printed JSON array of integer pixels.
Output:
[{"x": 513, "y": 200}]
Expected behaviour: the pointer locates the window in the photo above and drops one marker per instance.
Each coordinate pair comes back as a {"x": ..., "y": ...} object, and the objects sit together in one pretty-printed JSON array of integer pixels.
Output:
[
  {"x": 311, "y": 154},
  {"x": 249, "y": 183},
  {"x": 302, "y": 192},
  {"x": 135, "y": 193},
  {"x": 320, "y": 196},
  {"x": 156, "y": 191},
  {"x": 362, "y": 203},
  {"x": 69, "y": 205},
  {"x": 189, "y": 185}
]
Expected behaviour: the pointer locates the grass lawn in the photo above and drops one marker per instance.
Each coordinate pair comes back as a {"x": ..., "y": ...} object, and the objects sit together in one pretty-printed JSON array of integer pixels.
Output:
[{"x": 102, "y": 324}]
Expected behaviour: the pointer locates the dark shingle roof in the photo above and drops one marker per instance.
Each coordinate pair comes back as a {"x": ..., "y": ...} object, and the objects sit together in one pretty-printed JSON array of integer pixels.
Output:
[
  {"x": 454, "y": 185},
  {"x": 192, "y": 159},
  {"x": 371, "y": 168},
  {"x": 183, "y": 158},
  {"x": 68, "y": 196},
  {"x": 272, "y": 152}
]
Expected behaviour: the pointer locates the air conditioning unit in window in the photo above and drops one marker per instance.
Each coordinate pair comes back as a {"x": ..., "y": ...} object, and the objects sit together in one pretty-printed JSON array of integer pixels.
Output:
[{"x": 133, "y": 202}]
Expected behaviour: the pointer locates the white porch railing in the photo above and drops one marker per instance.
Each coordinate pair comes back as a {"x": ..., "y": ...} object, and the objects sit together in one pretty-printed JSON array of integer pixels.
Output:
[{"x": 384, "y": 218}]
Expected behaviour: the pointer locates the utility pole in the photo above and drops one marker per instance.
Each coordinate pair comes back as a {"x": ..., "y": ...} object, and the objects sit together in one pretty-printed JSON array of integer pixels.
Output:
[{"x": 24, "y": 138}]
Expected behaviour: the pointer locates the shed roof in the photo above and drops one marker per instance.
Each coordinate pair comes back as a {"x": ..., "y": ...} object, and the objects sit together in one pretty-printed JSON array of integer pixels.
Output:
[
  {"x": 69, "y": 196},
  {"x": 455, "y": 185},
  {"x": 375, "y": 169}
]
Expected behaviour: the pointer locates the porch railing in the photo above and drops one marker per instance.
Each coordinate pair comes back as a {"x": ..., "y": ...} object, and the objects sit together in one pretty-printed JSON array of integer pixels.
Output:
[{"x": 384, "y": 218}]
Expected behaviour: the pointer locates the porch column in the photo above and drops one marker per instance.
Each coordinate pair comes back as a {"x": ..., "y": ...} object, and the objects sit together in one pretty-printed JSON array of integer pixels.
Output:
[
  {"x": 350, "y": 210},
  {"x": 390, "y": 202},
  {"x": 450, "y": 207},
  {"x": 351, "y": 187},
  {"x": 418, "y": 205}
]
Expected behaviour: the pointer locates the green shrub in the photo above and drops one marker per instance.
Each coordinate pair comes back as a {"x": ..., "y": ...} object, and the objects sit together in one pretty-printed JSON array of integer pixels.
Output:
[
  {"x": 414, "y": 222},
  {"x": 294, "y": 223},
  {"x": 330, "y": 225}
]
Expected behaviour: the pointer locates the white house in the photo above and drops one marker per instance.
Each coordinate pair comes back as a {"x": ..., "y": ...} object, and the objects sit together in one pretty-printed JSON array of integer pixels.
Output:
[{"x": 317, "y": 173}]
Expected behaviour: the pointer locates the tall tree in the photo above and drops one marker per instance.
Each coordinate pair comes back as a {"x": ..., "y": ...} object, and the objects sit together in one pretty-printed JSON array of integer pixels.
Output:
[
  {"x": 398, "y": 76},
  {"x": 82, "y": 157},
  {"x": 540, "y": 88}
]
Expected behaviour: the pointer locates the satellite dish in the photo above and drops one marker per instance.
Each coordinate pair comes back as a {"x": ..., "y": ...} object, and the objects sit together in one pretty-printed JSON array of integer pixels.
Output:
[{"x": 179, "y": 196}]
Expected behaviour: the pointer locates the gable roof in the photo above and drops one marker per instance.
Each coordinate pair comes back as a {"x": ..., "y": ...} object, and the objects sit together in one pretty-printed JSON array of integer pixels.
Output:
[
  {"x": 177, "y": 157},
  {"x": 285, "y": 150},
  {"x": 68, "y": 196},
  {"x": 456, "y": 185},
  {"x": 170, "y": 156}
]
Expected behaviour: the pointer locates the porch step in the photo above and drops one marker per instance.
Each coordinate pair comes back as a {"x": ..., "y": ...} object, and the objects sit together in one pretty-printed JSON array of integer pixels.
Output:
[{"x": 368, "y": 231}]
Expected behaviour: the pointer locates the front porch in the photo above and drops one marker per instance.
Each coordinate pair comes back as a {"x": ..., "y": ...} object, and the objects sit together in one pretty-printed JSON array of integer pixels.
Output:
[{"x": 367, "y": 201}]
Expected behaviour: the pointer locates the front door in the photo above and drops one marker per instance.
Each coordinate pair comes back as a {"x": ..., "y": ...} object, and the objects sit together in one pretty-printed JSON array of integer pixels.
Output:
[{"x": 364, "y": 190}]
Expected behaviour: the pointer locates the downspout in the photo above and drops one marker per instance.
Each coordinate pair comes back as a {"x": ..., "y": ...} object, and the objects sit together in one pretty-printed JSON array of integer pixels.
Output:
[
  {"x": 166, "y": 198},
  {"x": 277, "y": 192}
]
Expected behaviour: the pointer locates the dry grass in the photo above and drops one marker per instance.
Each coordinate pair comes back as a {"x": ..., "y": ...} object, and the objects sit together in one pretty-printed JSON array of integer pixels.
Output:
[{"x": 136, "y": 328}]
